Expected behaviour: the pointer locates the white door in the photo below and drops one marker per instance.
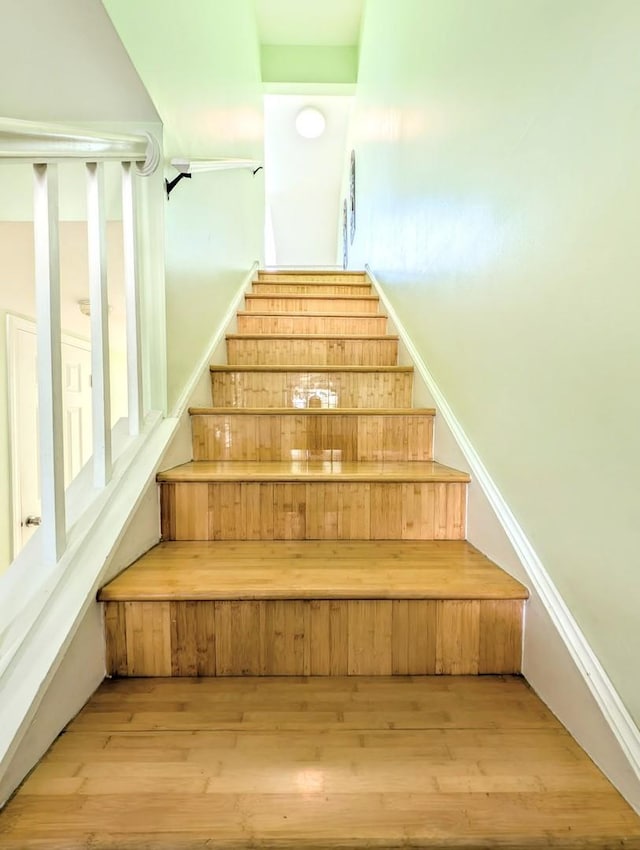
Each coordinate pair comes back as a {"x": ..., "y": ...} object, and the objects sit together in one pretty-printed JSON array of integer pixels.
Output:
[
  {"x": 23, "y": 401},
  {"x": 76, "y": 406}
]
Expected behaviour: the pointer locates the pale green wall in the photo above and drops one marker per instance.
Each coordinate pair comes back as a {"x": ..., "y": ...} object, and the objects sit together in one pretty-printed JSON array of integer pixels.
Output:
[
  {"x": 286, "y": 63},
  {"x": 201, "y": 67},
  {"x": 214, "y": 234},
  {"x": 498, "y": 157}
]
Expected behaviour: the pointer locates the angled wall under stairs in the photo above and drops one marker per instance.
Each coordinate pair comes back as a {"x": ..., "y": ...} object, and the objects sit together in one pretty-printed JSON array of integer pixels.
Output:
[{"x": 313, "y": 533}]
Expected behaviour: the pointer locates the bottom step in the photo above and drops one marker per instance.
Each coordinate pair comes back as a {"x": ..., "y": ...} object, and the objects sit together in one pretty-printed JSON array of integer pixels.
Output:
[{"x": 320, "y": 609}]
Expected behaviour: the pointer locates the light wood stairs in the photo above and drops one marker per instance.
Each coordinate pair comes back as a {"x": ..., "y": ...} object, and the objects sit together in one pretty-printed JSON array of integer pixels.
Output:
[
  {"x": 295, "y": 665},
  {"x": 313, "y": 533}
]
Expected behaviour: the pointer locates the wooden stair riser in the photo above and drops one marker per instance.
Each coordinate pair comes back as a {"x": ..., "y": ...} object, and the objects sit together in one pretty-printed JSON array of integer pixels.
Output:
[
  {"x": 312, "y": 389},
  {"x": 292, "y": 288},
  {"x": 323, "y": 436},
  {"x": 323, "y": 351},
  {"x": 314, "y": 637},
  {"x": 312, "y": 277},
  {"x": 274, "y": 324},
  {"x": 318, "y": 510},
  {"x": 311, "y": 304}
]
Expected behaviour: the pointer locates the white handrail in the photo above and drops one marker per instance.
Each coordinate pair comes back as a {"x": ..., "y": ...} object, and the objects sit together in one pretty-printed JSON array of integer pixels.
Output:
[
  {"x": 29, "y": 141},
  {"x": 195, "y": 166}
]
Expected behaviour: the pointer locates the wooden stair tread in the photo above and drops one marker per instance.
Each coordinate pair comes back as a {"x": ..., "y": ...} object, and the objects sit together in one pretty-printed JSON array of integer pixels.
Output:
[
  {"x": 313, "y": 411},
  {"x": 244, "y": 367},
  {"x": 287, "y": 314},
  {"x": 310, "y": 470},
  {"x": 266, "y": 273},
  {"x": 314, "y": 280},
  {"x": 293, "y": 296},
  {"x": 266, "y": 336},
  {"x": 313, "y": 570},
  {"x": 298, "y": 286}
]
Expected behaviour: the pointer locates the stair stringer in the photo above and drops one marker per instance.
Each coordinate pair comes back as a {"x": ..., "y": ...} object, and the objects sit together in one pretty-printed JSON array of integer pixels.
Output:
[{"x": 575, "y": 687}]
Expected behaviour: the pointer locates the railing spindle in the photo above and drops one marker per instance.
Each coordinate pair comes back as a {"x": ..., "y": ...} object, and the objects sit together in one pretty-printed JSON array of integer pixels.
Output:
[
  {"x": 99, "y": 302},
  {"x": 132, "y": 297},
  {"x": 49, "y": 361}
]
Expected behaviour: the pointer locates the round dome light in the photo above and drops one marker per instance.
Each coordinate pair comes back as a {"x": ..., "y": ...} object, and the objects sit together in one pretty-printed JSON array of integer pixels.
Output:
[{"x": 310, "y": 122}]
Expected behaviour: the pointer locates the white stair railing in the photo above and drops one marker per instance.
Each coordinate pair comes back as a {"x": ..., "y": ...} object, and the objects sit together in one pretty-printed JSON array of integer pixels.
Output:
[{"x": 44, "y": 146}]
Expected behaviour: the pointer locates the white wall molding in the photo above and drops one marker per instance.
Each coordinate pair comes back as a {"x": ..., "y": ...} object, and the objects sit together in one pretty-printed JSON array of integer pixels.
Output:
[
  {"x": 591, "y": 670},
  {"x": 218, "y": 337}
]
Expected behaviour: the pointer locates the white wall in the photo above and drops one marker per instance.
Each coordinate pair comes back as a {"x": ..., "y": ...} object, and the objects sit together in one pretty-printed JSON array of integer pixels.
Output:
[
  {"x": 303, "y": 179},
  {"x": 498, "y": 200},
  {"x": 214, "y": 230},
  {"x": 63, "y": 61}
]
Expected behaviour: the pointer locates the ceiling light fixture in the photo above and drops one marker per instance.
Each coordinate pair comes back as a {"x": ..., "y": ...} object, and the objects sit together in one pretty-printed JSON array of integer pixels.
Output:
[{"x": 310, "y": 123}]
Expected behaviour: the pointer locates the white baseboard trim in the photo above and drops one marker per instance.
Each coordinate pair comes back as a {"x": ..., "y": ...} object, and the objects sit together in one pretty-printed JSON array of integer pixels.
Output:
[
  {"x": 216, "y": 339},
  {"x": 600, "y": 685}
]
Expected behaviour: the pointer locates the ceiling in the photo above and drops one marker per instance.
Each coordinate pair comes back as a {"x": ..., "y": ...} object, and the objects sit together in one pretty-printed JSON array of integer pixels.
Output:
[{"x": 309, "y": 22}]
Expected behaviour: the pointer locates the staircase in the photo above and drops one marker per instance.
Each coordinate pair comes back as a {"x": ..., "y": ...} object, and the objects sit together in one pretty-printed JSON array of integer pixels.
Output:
[
  {"x": 297, "y": 664},
  {"x": 313, "y": 533}
]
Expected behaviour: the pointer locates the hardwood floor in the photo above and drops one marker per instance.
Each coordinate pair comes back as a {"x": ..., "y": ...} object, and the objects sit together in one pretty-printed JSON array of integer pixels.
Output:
[{"x": 175, "y": 764}]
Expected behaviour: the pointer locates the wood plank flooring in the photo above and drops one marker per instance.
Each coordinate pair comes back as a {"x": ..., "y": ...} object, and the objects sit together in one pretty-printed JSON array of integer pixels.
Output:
[{"x": 170, "y": 764}]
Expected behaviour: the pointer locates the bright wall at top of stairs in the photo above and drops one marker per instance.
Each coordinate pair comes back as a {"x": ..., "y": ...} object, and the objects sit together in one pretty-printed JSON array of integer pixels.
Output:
[{"x": 498, "y": 196}]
